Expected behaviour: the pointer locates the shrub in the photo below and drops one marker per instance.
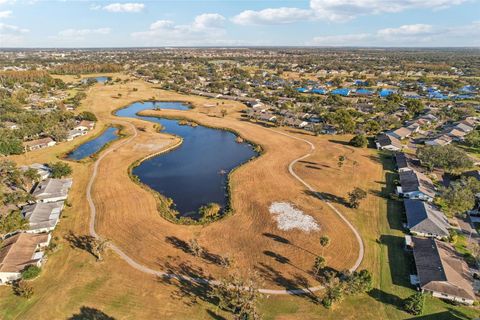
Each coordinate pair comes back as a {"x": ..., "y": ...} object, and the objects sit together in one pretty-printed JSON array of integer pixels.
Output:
[
  {"x": 22, "y": 289},
  {"x": 359, "y": 141},
  {"x": 415, "y": 303},
  {"x": 30, "y": 272}
]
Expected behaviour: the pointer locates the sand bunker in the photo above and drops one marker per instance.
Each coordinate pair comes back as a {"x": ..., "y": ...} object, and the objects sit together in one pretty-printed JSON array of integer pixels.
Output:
[{"x": 288, "y": 217}]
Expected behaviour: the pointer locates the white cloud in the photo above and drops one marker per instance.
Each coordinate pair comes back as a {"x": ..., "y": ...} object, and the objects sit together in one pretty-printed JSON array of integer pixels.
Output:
[
  {"x": 272, "y": 16},
  {"x": 83, "y": 32},
  {"x": 5, "y": 14},
  {"x": 11, "y": 36},
  {"x": 124, "y": 7},
  {"x": 414, "y": 35},
  {"x": 405, "y": 30},
  {"x": 337, "y": 10},
  {"x": 207, "y": 28}
]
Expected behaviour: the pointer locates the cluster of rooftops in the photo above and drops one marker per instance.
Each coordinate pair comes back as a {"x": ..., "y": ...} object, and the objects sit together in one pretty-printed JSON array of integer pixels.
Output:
[
  {"x": 440, "y": 269},
  {"x": 22, "y": 248}
]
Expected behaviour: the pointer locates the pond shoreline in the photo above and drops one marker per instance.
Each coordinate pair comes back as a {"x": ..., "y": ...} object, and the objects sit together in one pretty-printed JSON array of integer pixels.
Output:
[{"x": 164, "y": 205}]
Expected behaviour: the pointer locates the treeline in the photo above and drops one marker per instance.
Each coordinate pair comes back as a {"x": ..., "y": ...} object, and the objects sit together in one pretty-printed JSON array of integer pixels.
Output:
[{"x": 82, "y": 68}]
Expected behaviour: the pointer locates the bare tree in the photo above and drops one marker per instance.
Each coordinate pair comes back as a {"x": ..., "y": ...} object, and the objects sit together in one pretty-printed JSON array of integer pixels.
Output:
[{"x": 195, "y": 248}]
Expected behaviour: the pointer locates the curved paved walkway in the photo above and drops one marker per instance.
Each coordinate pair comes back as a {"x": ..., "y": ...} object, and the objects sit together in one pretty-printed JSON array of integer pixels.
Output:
[{"x": 145, "y": 269}]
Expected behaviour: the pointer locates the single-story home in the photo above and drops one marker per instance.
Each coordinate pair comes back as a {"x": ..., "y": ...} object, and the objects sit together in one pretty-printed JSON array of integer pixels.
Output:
[
  {"x": 442, "y": 272},
  {"x": 72, "y": 134},
  {"x": 416, "y": 185},
  {"x": 38, "y": 144},
  {"x": 52, "y": 190},
  {"x": 42, "y": 217},
  {"x": 440, "y": 141},
  {"x": 404, "y": 161},
  {"x": 20, "y": 251},
  {"x": 402, "y": 132},
  {"x": 85, "y": 125},
  {"x": 425, "y": 220},
  {"x": 387, "y": 142}
]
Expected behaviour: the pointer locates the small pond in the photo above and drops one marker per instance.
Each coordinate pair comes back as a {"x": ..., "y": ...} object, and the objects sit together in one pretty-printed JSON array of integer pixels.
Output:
[
  {"x": 101, "y": 79},
  {"x": 195, "y": 173},
  {"x": 93, "y": 146}
]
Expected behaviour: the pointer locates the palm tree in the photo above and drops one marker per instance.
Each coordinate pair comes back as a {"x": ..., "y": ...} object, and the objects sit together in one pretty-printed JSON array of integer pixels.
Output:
[
  {"x": 318, "y": 265},
  {"x": 324, "y": 241}
]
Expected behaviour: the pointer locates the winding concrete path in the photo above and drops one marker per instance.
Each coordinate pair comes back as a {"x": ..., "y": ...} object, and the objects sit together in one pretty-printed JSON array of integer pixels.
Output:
[{"x": 145, "y": 269}]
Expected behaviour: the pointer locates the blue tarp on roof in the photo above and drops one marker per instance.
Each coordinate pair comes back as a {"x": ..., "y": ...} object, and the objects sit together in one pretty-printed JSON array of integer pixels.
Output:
[
  {"x": 385, "y": 93},
  {"x": 319, "y": 91},
  {"x": 341, "y": 91},
  {"x": 302, "y": 90},
  {"x": 364, "y": 92},
  {"x": 468, "y": 89},
  {"x": 360, "y": 83}
]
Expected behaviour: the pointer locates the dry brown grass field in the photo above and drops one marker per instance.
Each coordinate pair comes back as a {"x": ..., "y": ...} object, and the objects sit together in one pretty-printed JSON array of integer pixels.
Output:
[{"x": 127, "y": 216}]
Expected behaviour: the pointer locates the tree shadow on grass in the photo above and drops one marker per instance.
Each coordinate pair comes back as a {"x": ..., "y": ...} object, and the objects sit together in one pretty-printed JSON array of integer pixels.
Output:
[
  {"x": 401, "y": 262},
  {"x": 344, "y": 143},
  {"x": 296, "y": 283},
  {"x": 83, "y": 242},
  {"x": 386, "y": 298},
  {"x": 283, "y": 240},
  {"x": 313, "y": 167},
  {"x": 215, "y": 316},
  {"x": 308, "y": 162},
  {"x": 87, "y": 313},
  {"x": 191, "y": 282},
  {"x": 325, "y": 196},
  {"x": 206, "y": 255},
  {"x": 451, "y": 314}
]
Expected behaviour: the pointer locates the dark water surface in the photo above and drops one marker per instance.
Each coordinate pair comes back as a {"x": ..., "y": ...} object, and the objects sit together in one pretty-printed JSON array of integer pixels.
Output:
[
  {"x": 195, "y": 173},
  {"x": 101, "y": 79},
  {"x": 93, "y": 146}
]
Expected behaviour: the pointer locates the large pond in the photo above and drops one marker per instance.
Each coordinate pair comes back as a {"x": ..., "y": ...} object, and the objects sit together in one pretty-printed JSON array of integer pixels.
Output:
[
  {"x": 93, "y": 146},
  {"x": 196, "y": 173}
]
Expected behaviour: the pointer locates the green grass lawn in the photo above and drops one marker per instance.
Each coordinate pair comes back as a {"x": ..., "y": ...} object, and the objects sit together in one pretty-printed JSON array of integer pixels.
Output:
[{"x": 391, "y": 266}]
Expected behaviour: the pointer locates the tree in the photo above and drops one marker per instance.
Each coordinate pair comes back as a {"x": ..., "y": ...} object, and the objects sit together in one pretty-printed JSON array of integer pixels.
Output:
[
  {"x": 22, "y": 289},
  {"x": 324, "y": 241},
  {"x": 472, "y": 139},
  {"x": 415, "y": 303},
  {"x": 87, "y": 115},
  {"x": 341, "y": 160},
  {"x": 414, "y": 106},
  {"x": 195, "y": 248},
  {"x": 446, "y": 157},
  {"x": 223, "y": 112},
  {"x": 355, "y": 196},
  {"x": 238, "y": 296},
  {"x": 98, "y": 248},
  {"x": 11, "y": 222},
  {"x": 358, "y": 282},
  {"x": 359, "y": 141},
  {"x": 210, "y": 211},
  {"x": 334, "y": 288},
  {"x": 60, "y": 169},
  {"x": 459, "y": 197},
  {"x": 31, "y": 175},
  {"x": 318, "y": 265}
]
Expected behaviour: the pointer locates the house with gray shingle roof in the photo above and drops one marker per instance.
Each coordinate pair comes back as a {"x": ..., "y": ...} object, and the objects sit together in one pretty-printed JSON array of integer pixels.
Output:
[
  {"x": 52, "y": 190},
  {"x": 425, "y": 220},
  {"x": 416, "y": 185},
  {"x": 442, "y": 271},
  {"x": 42, "y": 217}
]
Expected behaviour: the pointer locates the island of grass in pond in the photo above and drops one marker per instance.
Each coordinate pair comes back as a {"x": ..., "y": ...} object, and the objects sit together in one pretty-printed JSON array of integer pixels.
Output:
[
  {"x": 91, "y": 147},
  {"x": 196, "y": 173}
]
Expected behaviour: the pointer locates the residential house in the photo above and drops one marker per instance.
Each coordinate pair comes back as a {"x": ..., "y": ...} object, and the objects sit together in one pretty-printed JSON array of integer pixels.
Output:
[
  {"x": 402, "y": 132},
  {"x": 20, "y": 251},
  {"x": 39, "y": 144},
  {"x": 72, "y": 134},
  {"x": 52, "y": 190},
  {"x": 416, "y": 185},
  {"x": 85, "y": 125},
  {"x": 42, "y": 217},
  {"x": 440, "y": 141},
  {"x": 404, "y": 161},
  {"x": 425, "y": 220},
  {"x": 442, "y": 271},
  {"x": 388, "y": 142}
]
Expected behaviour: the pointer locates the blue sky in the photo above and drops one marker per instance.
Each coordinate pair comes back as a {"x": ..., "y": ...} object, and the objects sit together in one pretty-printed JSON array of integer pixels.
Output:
[{"x": 82, "y": 23}]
